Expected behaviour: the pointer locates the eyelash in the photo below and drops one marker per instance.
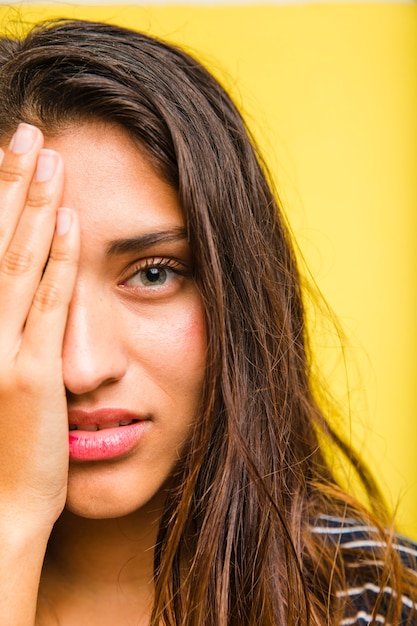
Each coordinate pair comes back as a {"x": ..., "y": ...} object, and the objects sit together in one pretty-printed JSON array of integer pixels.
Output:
[{"x": 158, "y": 263}]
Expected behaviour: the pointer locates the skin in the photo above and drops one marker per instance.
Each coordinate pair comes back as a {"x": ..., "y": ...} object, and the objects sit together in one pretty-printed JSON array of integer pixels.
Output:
[{"x": 93, "y": 332}]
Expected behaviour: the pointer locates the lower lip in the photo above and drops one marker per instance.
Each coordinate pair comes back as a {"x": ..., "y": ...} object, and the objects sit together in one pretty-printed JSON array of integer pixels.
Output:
[{"x": 109, "y": 443}]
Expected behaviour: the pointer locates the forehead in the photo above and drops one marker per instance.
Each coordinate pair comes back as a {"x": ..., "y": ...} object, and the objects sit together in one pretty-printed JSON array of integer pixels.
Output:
[{"x": 111, "y": 184}]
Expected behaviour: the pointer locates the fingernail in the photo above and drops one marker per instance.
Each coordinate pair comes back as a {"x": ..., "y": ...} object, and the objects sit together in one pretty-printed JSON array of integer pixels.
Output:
[
  {"x": 45, "y": 166},
  {"x": 63, "y": 221},
  {"x": 23, "y": 139}
]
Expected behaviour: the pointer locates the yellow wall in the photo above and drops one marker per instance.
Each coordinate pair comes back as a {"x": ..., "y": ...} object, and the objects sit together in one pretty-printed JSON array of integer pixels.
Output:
[{"x": 331, "y": 92}]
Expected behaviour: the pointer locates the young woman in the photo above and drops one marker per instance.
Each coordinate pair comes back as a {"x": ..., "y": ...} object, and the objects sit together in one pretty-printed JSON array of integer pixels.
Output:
[{"x": 161, "y": 445}]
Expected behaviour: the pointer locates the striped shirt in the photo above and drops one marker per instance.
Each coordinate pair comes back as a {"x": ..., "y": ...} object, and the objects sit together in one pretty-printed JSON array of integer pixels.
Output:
[{"x": 367, "y": 600}]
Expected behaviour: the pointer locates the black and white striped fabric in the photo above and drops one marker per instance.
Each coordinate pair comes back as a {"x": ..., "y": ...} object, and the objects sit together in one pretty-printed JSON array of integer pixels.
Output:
[{"x": 363, "y": 594}]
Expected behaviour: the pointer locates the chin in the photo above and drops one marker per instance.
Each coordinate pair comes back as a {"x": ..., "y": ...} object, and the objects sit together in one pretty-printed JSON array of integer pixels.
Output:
[
  {"x": 99, "y": 510},
  {"x": 106, "y": 495}
]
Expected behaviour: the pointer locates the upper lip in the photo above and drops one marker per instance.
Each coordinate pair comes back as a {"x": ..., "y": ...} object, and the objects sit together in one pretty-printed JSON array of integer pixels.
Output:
[{"x": 103, "y": 415}]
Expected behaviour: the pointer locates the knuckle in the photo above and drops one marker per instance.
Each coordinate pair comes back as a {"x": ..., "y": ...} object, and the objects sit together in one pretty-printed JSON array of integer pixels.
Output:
[
  {"x": 37, "y": 200},
  {"x": 47, "y": 298},
  {"x": 16, "y": 262},
  {"x": 59, "y": 255},
  {"x": 10, "y": 174}
]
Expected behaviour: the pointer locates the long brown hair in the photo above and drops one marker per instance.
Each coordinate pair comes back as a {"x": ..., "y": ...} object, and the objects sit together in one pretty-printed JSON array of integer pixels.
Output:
[{"x": 235, "y": 545}]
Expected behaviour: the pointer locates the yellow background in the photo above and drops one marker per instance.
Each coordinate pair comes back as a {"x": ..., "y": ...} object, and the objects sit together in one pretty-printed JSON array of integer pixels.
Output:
[{"x": 330, "y": 91}]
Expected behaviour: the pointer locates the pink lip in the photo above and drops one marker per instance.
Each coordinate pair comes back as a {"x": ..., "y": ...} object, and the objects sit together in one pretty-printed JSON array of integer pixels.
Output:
[{"x": 108, "y": 442}]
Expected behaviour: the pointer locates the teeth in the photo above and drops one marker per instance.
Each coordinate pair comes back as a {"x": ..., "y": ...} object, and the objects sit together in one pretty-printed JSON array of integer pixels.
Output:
[
  {"x": 90, "y": 427},
  {"x": 104, "y": 426},
  {"x": 94, "y": 427}
]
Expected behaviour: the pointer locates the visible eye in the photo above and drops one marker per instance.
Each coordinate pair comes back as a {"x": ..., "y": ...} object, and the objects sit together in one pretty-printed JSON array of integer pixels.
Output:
[
  {"x": 152, "y": 276},
  {"x": 154, "y": 273}
]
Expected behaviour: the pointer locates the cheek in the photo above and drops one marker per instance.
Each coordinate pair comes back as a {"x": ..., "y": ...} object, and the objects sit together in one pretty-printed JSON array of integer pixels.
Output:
[
  {"x": 186, "y": 345},
  {"x": 171, "y": 346}
]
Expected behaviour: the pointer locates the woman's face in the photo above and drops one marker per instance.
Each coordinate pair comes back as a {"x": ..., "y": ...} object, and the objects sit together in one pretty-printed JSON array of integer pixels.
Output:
[{"x": 135, "y": 346}]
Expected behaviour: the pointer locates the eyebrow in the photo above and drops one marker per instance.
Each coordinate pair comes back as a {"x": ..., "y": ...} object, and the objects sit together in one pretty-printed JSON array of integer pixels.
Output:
[{"x": 147, "y": 240}]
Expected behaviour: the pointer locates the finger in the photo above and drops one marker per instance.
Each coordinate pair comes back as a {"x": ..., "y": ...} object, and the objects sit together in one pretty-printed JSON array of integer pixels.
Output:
[
  {"x": 16, "y": 172},
  {"x": 45, "y": 327},
  {"x": 23, "y": 262}
]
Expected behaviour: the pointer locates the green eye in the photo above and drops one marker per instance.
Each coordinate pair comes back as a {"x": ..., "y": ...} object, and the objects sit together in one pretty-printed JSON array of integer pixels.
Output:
[
  {"x": 153, "y": 276},
  {"x": 152, "y": 273}
]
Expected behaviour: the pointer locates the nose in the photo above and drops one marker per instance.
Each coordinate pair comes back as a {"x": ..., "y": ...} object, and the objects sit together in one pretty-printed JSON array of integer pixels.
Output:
[{"x": 92, "y": 353}]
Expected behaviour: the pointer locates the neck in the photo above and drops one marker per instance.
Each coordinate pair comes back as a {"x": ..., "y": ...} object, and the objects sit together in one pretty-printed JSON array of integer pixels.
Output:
[
  {"x": 100, "y": 549},
  {"x": 102, "y": 560}
]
